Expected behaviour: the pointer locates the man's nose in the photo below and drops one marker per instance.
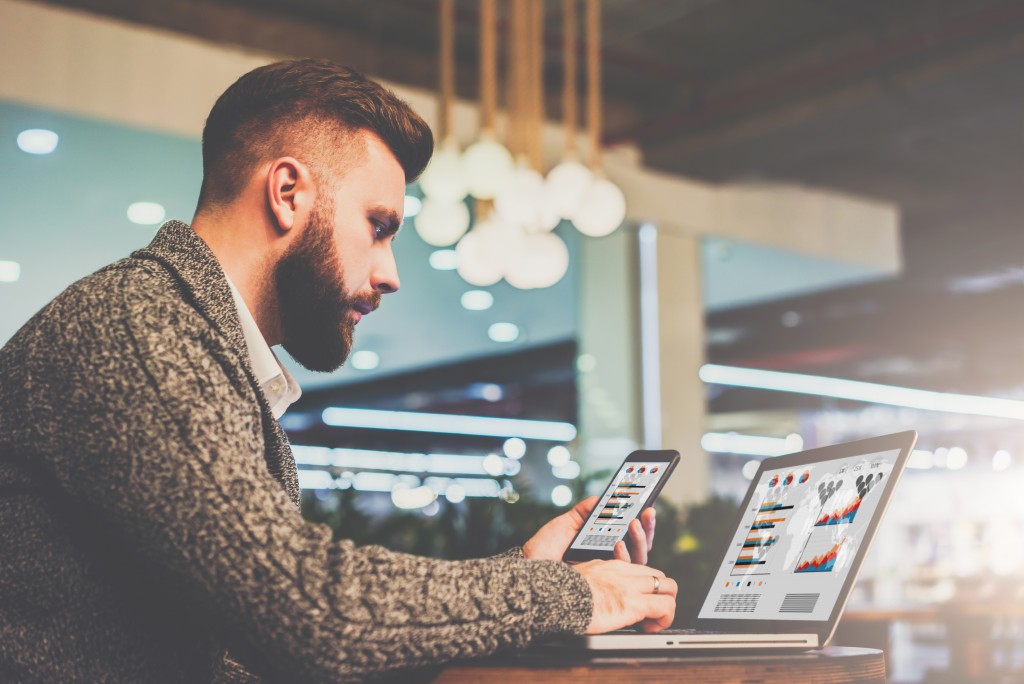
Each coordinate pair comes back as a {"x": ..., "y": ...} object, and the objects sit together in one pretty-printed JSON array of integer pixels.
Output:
[{"x": 384, "y": 278}]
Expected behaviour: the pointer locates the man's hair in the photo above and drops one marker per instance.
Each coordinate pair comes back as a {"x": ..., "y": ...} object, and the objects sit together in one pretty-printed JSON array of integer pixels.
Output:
[{"x": 311, "y": 109}]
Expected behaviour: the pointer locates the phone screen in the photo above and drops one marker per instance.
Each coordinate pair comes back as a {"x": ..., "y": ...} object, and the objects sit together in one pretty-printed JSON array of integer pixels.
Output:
[{"x": 630, "y": 489}]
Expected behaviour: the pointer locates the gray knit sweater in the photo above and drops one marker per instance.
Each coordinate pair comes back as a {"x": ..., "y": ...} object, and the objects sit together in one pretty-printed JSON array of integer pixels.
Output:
[{"x": 149, "y": 517}]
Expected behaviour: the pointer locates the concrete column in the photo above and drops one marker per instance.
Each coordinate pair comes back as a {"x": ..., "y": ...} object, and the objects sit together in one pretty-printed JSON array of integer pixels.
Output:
[
  {"x": 609, "y": 362},
  {"x": 680, "y": 354},
  {"x": 641, "y": 346}
]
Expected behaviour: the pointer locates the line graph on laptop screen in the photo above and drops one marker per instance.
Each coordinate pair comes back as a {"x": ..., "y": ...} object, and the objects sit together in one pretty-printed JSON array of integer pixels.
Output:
[{"x": 797, "y": 540}]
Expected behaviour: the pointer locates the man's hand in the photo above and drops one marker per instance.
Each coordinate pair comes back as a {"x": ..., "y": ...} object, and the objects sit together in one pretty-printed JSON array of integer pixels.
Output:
[
  {"x": 625, "y": 595},
  {"x": 552, "y": 540}
]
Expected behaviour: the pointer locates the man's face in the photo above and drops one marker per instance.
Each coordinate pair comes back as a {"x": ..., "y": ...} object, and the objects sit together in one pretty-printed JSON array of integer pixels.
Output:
[{"x": 337, "y": 269}]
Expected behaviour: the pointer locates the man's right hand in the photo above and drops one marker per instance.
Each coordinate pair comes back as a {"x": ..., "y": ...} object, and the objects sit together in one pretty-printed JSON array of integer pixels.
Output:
[{"x": 624, "y": 596}]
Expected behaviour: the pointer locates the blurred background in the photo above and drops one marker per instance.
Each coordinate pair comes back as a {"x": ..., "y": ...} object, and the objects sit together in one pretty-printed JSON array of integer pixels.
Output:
[{"x": 812, "y": 188}]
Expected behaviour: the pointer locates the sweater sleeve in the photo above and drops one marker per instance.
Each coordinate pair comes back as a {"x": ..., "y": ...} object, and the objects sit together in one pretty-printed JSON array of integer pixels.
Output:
[{"x": 148, "y": 423}]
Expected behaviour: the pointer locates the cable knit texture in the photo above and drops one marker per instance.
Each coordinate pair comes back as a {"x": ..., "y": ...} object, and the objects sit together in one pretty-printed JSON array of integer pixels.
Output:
[{"x": 149, "y": 519}]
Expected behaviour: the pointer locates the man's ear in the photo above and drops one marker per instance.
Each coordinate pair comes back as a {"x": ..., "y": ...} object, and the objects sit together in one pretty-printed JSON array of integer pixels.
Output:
[{"x": 290, "y": 193}]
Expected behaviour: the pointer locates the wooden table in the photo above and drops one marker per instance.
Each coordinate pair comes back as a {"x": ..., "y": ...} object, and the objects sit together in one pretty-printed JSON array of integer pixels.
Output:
[{"x": 828, "y": 666}]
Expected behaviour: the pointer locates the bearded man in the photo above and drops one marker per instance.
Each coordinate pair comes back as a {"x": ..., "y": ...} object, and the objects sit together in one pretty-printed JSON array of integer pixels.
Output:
[{"x": 148, "y": 496}]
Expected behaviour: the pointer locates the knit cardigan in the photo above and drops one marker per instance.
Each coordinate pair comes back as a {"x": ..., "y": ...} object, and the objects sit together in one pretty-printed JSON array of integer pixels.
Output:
[{"x": 149, "y": 519}]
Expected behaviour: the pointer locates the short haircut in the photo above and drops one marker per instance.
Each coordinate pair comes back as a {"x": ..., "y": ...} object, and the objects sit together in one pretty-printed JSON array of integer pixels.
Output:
[{"x": 310, "y": 109}]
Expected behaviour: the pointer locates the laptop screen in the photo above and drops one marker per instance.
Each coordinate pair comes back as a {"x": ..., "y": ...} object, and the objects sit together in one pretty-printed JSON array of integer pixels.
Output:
[{"x": 801, "y": 530}]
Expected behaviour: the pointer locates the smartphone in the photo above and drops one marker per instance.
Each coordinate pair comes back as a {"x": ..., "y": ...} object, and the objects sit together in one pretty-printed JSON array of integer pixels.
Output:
[{"x": 634, "y": 487}]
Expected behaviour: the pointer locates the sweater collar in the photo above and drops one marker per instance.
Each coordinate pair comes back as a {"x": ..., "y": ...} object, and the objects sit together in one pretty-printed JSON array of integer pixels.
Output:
[{"x": 177, "y": 247}]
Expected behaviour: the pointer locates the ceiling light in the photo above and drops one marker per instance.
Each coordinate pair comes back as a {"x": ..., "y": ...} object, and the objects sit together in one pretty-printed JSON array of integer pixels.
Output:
[
  {"x": 146, "y": 213},
  {"x": 408, "y": 498},
  {"x": 514, "y": 448},
  {"x": 750, "y": 445},
  {"x": 10, "y": 271},
  {"x": 750, "y": 468},
  {"x": 956, "y": 458},
  {"x": 412, "y": 206},
  {"x": 567, "y": 471},
  {"x": 867, "y": 392},
  {"x": 558, "y": 456},
  {"x": 477, "y": 300},
  {"x": 1001, "y": 460},
  {"x": 37, "y": 141},
  {"x": 921, "y": 459},
  {"x": 365, "y": 360},
  {"x": 491, "y": 392},
  {"x": 455, "y": 493},
  {"x": 561, "y": 495},
  {"x": 449, "y": 424},
  {"x": 503, "y": 332},
  {"x": 444, "y": 260},
  {"x": 494, "y": 465},
  {"x": 394, "y": 461}
]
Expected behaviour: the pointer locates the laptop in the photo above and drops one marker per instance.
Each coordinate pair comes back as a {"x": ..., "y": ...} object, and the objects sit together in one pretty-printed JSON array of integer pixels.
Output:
[{"x": 786, "y": 572}]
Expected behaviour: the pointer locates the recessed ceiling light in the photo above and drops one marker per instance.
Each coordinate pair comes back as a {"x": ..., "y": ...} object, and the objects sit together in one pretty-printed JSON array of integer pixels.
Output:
[
  {"x": 37, "y": 141},
  {"x": 503, "y": 332},
  {"x": 10, "y": 271},
  {"x": 561, "y": 495},
  {"x": 365, "y": 360},
  {"x": 412, "y": 206},
  {"x": 146, "y": 213},
  {"x": 558, "y": 455},
  {"x": 444, "y": 260},
  {"x": 477, "y": 300},
  {"x": 514, "y": 448},
  {"x": 1001, "y": 460},
  {"x": 455, "y": 493}
]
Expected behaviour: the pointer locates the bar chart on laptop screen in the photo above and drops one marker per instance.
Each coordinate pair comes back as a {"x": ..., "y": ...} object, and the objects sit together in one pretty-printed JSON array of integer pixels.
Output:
[{"x": 772, "y": 515}]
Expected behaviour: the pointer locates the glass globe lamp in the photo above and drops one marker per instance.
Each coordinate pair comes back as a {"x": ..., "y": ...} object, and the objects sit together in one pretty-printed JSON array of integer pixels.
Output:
[
  {"x": 486, "y": 165},
  {"x": 442, "y": 223},
  {"x": 541, "y": 261},
  {"x": 601, "y": 209},
  {"x": 518, "y": 202},
  {"x": 565, "y": 185},
  {"x": 443, "y": 178}
]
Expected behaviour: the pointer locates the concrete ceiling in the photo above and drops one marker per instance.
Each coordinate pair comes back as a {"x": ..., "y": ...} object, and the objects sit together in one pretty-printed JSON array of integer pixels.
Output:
[{"x": 917, "y": 102}]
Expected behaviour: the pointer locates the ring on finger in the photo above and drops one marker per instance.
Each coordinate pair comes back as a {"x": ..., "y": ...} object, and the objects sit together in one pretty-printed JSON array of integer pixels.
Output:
[{"x": 657, "y": 583}]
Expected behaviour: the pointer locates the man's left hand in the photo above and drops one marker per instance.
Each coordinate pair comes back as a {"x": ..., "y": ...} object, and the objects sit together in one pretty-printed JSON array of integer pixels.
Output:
[{"x": 552, "y": 540}]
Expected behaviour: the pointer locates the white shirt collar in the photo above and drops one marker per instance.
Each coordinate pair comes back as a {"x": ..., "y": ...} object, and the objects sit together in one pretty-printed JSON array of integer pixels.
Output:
[{"x": 277, "y": 383}]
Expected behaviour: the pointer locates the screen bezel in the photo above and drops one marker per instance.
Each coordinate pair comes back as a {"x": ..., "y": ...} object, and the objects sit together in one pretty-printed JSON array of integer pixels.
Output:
[
  {"x": 904, "y": 441},
  {"x": 667, "y": 456}
]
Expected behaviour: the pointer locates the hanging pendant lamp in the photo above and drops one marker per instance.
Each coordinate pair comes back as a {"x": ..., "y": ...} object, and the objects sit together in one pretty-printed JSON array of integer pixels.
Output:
[
  {"x": 444, "y": 217},
  {"x": 602, "y": 207}
]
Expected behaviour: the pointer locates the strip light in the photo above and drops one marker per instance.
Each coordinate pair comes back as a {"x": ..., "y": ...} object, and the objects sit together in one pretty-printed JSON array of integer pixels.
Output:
[
  {"x": 402, "y": 462},
  {"x": 388, "y": 482},
  {"x": 449, "y": 424},
  {"x": 867, "y": 392},
  {"x": 750, "y": 445}
]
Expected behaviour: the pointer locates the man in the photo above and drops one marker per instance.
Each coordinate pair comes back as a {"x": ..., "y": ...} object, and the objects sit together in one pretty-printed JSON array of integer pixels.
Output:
[{"x": 148, "y": 496}]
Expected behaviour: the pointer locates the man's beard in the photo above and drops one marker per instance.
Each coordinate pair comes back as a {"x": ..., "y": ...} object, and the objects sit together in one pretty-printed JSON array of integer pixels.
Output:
[{"x": 316, "y": 315}]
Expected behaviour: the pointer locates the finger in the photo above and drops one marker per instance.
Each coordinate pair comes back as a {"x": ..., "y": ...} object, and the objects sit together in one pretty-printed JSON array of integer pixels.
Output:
[
  {"x": 637, "y": 543},
  {"x": 660, "y": 611},
  {"x": 583, "y": 509},
  {"x": 640, "y": 587},
  {"x": 620, "y": 551},
  {"x": 647, "y": 519}
]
